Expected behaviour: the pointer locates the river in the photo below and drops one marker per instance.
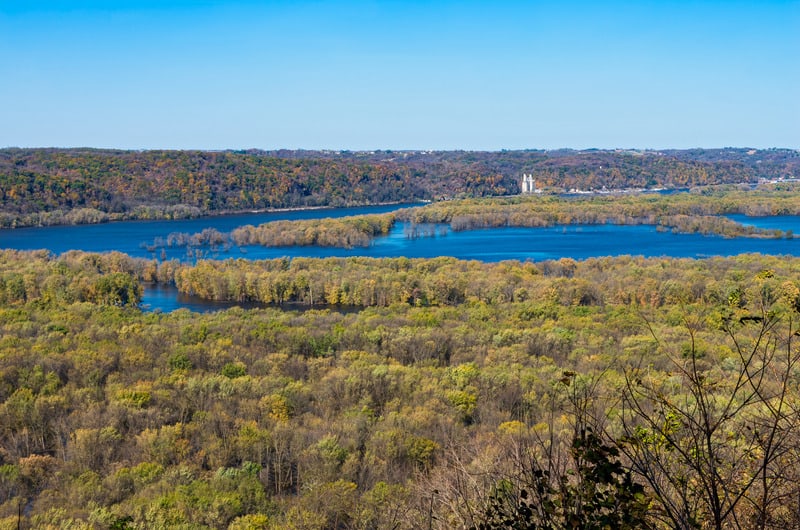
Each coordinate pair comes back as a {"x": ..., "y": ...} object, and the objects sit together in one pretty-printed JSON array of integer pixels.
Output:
[{"x": 491, "y": 245}]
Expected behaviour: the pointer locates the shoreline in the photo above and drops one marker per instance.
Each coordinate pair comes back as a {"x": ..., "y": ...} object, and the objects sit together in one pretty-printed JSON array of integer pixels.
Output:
[{"x": 112, "y": 218}]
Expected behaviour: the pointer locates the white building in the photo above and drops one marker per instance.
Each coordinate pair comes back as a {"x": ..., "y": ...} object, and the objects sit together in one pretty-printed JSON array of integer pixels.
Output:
[{"x": 528, "y": 184}]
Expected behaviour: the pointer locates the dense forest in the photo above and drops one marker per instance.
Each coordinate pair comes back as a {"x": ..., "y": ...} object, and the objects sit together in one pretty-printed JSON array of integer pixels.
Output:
[
  {"x": 66, "y": 186},
  {"x": 606, "y": 393},
  {"x": 398, "y": 393}
]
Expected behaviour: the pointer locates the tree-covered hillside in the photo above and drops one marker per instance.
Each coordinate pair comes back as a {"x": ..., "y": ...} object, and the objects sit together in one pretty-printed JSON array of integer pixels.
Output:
[{"x": 52, "y": 186}]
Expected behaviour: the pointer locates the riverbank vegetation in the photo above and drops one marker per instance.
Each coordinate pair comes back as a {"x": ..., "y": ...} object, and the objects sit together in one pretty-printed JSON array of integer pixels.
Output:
[
  {"x": 71, "y": 186},
  {"x": 701, "y": 212},
  {"x": 347, "y": 232},
  {"x": 659, "y": 391}
]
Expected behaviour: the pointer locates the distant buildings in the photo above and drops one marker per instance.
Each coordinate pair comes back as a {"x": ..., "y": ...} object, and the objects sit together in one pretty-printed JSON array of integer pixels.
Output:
[{"x": 529, "y": 184}]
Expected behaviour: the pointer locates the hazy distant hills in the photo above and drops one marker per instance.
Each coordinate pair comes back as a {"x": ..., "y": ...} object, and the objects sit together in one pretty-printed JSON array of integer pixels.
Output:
[{"x": 150, "y": 183}]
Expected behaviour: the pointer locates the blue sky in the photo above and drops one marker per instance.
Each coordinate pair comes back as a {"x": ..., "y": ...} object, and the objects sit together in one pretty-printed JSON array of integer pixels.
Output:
[{"x": 399, "y": 75}]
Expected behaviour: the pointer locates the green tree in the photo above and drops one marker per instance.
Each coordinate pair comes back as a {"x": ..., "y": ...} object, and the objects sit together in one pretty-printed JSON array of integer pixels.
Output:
[
  {"x": 117, "y": 288},
  {"x": 598, "y": 493},
  {"x": 715, "y": 439}
]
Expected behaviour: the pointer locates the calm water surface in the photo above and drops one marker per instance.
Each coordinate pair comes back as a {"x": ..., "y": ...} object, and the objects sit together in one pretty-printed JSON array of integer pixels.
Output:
[
  {"x": 779, "y": 222},
  {"x": 491, "y": 245},
  {"x": 131, "y": 237}
]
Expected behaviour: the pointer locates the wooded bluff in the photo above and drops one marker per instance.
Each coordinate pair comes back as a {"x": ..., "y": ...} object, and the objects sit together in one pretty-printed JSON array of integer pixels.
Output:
[{"x": 65, "y": 186}]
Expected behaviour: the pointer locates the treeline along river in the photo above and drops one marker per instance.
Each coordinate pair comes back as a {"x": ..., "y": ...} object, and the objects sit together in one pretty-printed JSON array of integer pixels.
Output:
[{"x": 490, "y": 245}]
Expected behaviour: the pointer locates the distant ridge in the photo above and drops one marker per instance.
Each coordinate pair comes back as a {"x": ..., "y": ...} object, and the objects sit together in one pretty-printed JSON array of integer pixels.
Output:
[{"x": 42, "y": 185}]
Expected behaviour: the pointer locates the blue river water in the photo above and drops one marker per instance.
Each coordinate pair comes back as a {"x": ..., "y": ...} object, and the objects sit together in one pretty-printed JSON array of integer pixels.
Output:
[
  {"x": 491, "y": 245},
  {"x": 132, "y": 237}
]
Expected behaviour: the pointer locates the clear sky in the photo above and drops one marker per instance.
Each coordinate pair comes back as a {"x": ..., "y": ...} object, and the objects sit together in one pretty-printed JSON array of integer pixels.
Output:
[{"x": 183, "y": 74}]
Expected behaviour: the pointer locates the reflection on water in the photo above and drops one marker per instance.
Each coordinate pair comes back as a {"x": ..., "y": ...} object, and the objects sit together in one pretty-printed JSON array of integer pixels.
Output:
[
  {"x": 166, "y": 298},
  {"x": 490, "y": 245},
  {"x": 133, "y": 237}
]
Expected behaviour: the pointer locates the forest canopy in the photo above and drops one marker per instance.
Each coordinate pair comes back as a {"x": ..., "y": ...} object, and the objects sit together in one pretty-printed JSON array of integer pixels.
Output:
[
  {"x": 434, "y": 408},
  {"x": 70, "y": 186},
  {"x": 615, "y": 392}
]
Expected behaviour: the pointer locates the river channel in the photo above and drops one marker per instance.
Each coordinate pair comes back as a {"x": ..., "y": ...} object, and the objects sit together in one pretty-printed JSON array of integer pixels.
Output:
[{"x": 491, "y": 245}]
